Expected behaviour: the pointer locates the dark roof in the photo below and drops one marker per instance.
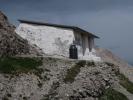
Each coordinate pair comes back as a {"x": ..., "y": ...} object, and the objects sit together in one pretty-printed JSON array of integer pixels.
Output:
[{"x": 60, "y": 26}]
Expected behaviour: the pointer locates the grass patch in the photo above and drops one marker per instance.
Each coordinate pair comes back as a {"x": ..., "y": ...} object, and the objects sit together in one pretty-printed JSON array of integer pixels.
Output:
[
  {"x": 109, "y": 64},
  {"x": 73, "y": 71},
  {"x": 125, "y": 82},
  {"x": 91, "y": 63},
  {"x": 111, "y": 94},
  {"x": 11, "y": 65}
]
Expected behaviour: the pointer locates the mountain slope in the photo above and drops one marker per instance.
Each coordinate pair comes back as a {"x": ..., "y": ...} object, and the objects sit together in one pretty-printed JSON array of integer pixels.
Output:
[
  {"x": 62, "y": 79},
  {"x": 108, "y": 56},
  {"x": 10, "y": 42}
]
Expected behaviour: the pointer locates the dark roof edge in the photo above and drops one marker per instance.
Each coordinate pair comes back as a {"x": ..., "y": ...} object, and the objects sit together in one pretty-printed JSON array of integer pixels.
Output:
[{"x": 57, "y": 25}]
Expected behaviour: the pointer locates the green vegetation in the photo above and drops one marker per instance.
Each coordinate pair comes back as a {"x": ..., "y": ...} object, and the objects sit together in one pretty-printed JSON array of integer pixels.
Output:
[
  {"x": 40, "y": 85},
  {"x": 73, "y": 71},
  {"x": 91, "y": 63},
  {"x": 9, "y": 95},
  {"x": 13, "y": 65},
  {"x": 125, "y": 82},
  {"x": 111, "y": 94},
  {"x": 25, "y": 98},
  {"x": 52, "y": 95},
  {"x": 5, "y": 98},
  {"x": 109, "y": 64}
]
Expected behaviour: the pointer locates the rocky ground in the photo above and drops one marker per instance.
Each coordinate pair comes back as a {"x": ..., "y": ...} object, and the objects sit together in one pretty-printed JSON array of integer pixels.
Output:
[
  {"x": 62, "y": 79},
  {"x": 108, "y": 56}
]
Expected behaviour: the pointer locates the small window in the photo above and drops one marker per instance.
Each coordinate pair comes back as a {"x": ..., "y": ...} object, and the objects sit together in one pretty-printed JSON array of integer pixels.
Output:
[{"x": 78, "y": 39}]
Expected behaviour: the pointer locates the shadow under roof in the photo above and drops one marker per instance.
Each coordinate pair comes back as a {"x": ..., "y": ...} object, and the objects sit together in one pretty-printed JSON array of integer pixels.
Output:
[{"x": 58, "y": 25}]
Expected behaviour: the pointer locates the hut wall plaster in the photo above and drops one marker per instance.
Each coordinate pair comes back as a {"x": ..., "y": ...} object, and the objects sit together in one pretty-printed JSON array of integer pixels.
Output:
[{"x": 55, "y": 41}]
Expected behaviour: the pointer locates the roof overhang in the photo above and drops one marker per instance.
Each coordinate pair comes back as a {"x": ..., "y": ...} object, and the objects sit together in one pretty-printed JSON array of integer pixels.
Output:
[{"x": 60, "y": 26}]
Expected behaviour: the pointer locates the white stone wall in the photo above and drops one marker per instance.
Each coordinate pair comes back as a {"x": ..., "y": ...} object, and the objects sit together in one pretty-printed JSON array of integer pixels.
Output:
[{"x": 53, "y": 41}]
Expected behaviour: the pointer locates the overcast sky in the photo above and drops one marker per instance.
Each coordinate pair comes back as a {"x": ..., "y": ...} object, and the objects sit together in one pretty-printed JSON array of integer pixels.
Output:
[{"x": 112, "y": 20}]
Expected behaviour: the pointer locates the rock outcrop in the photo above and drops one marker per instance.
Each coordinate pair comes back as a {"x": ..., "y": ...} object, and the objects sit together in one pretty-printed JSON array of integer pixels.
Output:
[
  {"x": 10, "y": 43},
  {"x": 108, "y": 56}
]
